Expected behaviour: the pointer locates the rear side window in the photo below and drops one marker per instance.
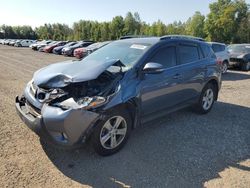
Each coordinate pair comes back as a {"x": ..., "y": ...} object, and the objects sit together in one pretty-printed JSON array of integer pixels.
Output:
[
  {"x": 188, "y": 53},
  {"x": 207, "y": 51},
  {"x": 222, "y": 47},
  {"x": 218, "y": 48},
  {"x": 165, "y": 56}
]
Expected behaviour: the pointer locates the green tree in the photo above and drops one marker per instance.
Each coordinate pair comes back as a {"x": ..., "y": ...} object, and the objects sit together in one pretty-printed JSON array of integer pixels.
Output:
[
  {"x": 224, "y": 20},
  {"x": 105, "y": 32},
  {"x": 129, "y": 24},
  {"x": 195, "y": 25},
  {"x": 117, "y": 27},
  {"x": 243, "y": 33}
]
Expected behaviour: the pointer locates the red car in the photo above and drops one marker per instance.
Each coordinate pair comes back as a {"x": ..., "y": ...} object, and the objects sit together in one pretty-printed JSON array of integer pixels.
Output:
[
  {"x": 82, "y": 52},
  {"x": 49, "y": 48}
]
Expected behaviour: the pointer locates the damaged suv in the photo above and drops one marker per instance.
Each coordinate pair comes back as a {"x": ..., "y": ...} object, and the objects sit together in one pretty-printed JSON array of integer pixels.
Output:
[{"x": 116, "y": 88}]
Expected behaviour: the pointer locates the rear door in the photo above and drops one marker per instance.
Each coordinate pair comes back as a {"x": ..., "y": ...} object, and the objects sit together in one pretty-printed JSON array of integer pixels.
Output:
[{"x": 192, "y": 69}]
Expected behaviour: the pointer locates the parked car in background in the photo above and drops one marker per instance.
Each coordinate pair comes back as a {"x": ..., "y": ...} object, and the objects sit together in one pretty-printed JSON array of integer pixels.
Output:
[
  {"x": 40, "y": 45},
  {"x": 82, "y": 52},
  {"x": 222, "y": 55},
  {"x": 58, "y": 50},
  {"x": 50, "y": 47},
  {"x": 2, "y": 41},
  {"x": 7, "y": 41},
  {"x": 68, "y": 51},
  {"x": 24, "y": 43},
  {"x": 116, "y": 88},
  {"x": 37, "y": 42},
  {"x": 43, "y": 46},
  {"x": 12, "y": 42},
  {"x": 240, "y": 56}
]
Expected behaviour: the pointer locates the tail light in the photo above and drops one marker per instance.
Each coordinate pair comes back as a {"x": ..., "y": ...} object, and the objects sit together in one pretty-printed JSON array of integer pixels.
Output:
[{"x": 219, "y": 62}]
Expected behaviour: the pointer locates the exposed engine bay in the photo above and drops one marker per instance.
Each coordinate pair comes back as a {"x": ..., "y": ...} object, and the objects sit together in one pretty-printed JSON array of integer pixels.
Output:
[
  {"x": 102, "y": 86},
  {"x": 77, "y": 95}
]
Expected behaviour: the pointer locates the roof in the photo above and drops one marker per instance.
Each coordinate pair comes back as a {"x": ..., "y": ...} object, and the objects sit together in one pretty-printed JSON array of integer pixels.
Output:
[
  {"x": 216, "y": 43},
  {"x": 149, "y": 40},
  {"x": 154, "y": 40}
]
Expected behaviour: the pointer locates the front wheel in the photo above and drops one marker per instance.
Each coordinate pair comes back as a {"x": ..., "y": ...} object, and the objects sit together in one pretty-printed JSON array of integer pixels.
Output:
[
  {"x": 207, "y": 99},
  {"x": 112, "y": 133}
]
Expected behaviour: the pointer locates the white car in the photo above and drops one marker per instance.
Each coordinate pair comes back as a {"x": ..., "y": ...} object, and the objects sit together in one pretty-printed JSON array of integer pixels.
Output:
[
  {"x": 24, "y": 43},
  {"x": 37, "y": 43},
  {"x": 222, "y": 55}
]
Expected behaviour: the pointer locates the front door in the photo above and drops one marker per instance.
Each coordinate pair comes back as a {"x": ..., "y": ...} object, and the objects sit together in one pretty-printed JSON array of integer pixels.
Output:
[{"x": 160, "y": 91}]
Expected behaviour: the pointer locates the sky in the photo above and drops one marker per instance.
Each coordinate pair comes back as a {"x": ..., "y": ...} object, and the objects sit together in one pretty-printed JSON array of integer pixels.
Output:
[{"x": 38, "y": 12}]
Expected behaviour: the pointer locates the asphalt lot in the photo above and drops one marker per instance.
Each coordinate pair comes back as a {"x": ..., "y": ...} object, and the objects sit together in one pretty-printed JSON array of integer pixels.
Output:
[{"x": 181, "y": 150}]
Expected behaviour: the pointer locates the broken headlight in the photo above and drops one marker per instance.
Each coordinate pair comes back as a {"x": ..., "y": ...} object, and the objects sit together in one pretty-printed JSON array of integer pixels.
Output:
[
  {"x": 44, "y": 96},
  {"x": 84, "y": 103}
]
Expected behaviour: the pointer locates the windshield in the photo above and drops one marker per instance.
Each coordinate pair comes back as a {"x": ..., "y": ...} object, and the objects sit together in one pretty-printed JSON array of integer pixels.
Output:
[
  {"x": 239, "y": 48},
  {"x": 70, "y": 44},
  {"x": 128, "y": 53}
]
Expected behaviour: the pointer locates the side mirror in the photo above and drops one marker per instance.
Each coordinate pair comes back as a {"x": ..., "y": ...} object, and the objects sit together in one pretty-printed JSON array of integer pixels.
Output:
[{"x": 153, "y": 68}]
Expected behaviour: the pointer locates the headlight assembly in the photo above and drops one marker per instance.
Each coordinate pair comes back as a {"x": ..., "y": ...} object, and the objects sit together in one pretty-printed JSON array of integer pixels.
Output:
[{"x": 84, "y": 103}]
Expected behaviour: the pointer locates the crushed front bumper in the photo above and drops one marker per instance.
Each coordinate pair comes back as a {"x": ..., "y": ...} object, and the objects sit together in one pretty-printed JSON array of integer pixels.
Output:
[
  {"x": 236, "y": 62},
  {"x": 65, "y": 127},
  {"x": 32, "y": 121}
]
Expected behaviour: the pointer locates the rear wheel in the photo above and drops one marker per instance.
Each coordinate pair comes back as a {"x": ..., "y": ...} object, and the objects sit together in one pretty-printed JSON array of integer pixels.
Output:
[
  {"x": 207, "y": 99},
  {"x": 112, "y": 133},
  {"x": 245, "y": 66},
  {"x": 224, "y": 67}
]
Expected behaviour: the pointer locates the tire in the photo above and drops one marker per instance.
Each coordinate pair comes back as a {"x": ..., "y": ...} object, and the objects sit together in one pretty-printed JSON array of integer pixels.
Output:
[
  {"x": 245, "y": 66},
  {"x": 224, "y": 67},
  {"x": 105, "y": 133},
  {"x": 206, "y": 100}
]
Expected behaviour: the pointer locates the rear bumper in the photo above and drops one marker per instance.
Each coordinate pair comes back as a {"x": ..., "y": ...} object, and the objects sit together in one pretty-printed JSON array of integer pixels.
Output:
[{"x": 64, "y": 127}]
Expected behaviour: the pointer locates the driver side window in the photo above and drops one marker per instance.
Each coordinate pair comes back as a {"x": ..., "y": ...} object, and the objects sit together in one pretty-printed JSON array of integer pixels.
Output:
[{"x": 165, "y": 56}]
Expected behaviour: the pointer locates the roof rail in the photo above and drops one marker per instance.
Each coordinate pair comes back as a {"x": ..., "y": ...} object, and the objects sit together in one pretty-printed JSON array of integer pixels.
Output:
[
  {"x": 181, "y": 37},
  {"x": 134, "y": 36}
]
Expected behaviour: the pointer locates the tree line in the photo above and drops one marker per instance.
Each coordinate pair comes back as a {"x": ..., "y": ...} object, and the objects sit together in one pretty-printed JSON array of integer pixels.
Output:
[{"x": 228, "y": 21}]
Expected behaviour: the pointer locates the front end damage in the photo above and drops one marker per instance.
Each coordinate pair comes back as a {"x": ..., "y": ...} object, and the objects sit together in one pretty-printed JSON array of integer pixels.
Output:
[
  {"x": 238, "y": 60},
  {"x": 69, "y": 112},
  {"x": 65, "y": 127}
]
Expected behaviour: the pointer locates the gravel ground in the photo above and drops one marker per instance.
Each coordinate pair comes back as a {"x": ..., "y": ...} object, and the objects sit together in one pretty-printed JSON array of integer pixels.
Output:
[{"x": 181, "y": 150}]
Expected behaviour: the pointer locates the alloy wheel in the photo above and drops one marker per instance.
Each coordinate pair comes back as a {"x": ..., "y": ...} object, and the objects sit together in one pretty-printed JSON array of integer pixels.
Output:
[
  {"x": 113, "y": 132},
  {"x": 224, "y": 68},
  {"x": 208, "y": 99}
]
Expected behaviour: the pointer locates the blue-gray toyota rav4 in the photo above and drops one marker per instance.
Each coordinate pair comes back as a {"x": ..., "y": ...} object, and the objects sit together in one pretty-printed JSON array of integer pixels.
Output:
[{"x": 105, "y": 95}]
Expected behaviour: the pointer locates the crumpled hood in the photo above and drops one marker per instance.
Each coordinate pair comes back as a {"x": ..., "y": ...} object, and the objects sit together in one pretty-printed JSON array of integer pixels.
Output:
[{"x": 62, "y": 74}]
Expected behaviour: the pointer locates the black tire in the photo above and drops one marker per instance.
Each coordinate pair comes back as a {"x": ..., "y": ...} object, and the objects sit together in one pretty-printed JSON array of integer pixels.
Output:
[
  {"x": 245, "y": 66},
  {"x": 224, "y": 67},
  {"x": 96, "y": 135},
  {"x": 199, "y": 107}
]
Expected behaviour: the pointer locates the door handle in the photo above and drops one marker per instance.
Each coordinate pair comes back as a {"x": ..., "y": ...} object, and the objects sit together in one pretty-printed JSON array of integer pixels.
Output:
[{"x": 177, "y": 76}]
